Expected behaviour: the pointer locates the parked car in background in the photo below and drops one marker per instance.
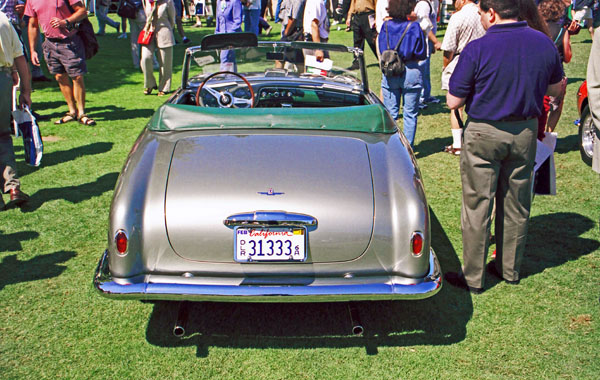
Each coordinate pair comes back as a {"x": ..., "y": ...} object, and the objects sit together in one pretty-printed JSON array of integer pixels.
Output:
[{"x": 585, "y": 124}]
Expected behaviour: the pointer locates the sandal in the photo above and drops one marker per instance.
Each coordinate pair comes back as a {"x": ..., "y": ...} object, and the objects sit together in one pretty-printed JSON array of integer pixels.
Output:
[
  {"x": 67, "y": 118},
  {"x": 452, "y": 150},
  {"x": 86, "y": 120},
  {"x": 148, "y": 91},
  {"x": 162, "y": 93}
]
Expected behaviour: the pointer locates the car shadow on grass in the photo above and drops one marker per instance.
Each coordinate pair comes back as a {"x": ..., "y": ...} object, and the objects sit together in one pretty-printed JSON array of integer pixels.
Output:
[
  {"x": 73, "y": 194},
  {"x": 553, "y": 240},
  {"x": 439, "y": 320},
  {"x": 41, "y": 267}
]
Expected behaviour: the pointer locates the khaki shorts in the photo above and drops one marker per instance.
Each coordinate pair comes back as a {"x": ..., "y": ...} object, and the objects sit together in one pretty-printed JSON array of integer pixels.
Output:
[{"x": 447, "y": 73}]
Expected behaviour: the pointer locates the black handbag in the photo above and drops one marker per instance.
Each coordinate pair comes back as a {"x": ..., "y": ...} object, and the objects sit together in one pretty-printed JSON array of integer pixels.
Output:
[
  {"x": 85, "y": 31},
  {"x": 127, "y": 9}
]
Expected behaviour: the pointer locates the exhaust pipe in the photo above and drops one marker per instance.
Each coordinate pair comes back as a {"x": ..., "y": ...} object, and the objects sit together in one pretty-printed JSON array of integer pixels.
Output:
[
  {"x": 357, "y": 327},
  {"x": 182, "y": 316}
]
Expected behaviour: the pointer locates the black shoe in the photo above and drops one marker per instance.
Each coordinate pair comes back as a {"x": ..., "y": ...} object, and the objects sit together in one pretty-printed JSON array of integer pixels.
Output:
[
  {"x": 491, "y": 268},
  {"x": 457, "y": 280}
]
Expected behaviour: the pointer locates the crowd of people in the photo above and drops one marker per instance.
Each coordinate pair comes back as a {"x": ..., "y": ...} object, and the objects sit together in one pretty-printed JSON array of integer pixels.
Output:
[{"x": 512, "y": 93}]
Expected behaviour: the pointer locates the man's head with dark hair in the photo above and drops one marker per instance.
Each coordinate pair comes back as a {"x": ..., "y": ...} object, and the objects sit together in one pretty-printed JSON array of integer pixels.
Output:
[
  {"x": 401, "y": 8},
  {"x": 506, "y": 9}
]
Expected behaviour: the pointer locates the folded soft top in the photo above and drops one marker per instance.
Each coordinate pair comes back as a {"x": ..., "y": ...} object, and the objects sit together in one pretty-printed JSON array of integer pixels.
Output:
[{"x": 368, "y": 118}]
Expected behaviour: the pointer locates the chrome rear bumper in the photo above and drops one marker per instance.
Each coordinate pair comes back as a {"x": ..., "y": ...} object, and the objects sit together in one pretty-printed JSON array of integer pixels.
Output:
[{"x": 177, "y": 291}]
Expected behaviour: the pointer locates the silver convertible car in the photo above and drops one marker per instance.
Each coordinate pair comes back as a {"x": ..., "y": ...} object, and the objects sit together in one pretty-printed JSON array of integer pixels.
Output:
[{"x": 272, "y": 175}]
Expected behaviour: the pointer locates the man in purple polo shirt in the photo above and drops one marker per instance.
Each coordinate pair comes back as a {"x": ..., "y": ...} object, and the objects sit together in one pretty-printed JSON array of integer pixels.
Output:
[{"x": 502, "y": 78}]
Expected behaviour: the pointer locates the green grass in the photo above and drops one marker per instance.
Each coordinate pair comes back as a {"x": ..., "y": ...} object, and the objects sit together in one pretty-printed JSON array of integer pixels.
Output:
[{"x": 54, "y": 326}]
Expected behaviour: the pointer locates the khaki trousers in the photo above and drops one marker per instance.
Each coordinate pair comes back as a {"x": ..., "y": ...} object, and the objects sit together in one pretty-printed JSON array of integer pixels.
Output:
[
  {"x": 9, "y": 179},
  {"x": 165, "y": 66},
  {"x": 496, "y": 161}
]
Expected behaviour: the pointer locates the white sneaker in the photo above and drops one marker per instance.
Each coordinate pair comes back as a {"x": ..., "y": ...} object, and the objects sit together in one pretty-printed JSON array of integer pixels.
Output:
[
  {"x": 123, "y": 35},
  {"x": 198, "y": 25}
]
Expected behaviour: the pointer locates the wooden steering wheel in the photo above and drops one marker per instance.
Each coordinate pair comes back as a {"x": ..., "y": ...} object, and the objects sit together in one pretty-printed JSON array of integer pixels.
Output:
[{"x": 224, "y": 98}]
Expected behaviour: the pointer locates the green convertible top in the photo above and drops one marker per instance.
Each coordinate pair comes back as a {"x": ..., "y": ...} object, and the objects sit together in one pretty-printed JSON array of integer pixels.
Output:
[{"x": 369, "y": 118}]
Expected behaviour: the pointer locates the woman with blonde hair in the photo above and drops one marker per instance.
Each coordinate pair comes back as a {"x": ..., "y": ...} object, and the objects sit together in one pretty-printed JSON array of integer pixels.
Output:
[{"x": 160, "y": 18}]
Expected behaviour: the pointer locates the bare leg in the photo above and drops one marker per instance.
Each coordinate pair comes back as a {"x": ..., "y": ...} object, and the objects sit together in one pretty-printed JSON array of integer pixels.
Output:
[
  {"x": 553, "y": 118},
  {"x": 66, "y": 87},
  {"x": 79, "y": 94}
]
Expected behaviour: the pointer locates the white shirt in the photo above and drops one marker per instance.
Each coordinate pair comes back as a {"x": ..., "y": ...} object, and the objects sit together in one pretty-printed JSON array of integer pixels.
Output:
[
  {"x": 315, "y": 9},
  {"x": 381, "y": 12},
  {"x": 423, "y": 10},
  {"x": 10, "y": 45}
]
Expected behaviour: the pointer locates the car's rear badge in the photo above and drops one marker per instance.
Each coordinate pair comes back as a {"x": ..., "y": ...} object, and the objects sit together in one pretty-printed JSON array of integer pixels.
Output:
[{"x": 270, "y": 192}]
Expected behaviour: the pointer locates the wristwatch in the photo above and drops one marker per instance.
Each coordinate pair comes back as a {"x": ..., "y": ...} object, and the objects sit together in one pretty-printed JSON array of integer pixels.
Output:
[{"x": 69, "y": 25}]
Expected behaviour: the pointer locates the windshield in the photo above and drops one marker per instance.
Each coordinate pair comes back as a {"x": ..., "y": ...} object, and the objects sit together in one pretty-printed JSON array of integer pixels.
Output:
[{"x": 277, "y": 59}]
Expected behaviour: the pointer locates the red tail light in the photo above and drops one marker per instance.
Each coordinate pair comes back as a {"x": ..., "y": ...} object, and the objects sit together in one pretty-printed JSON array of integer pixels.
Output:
[
  {"x": 121, "y": 241},
  {"x": 416, "y": 243}
]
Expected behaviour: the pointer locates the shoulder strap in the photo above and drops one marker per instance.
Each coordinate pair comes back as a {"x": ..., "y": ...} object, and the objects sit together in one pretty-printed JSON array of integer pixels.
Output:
[
  {"x": 387, "y": 36},
  {"x": 428, "y": 3},
  {"x": 69, "y": 6},
  {"x": 403, "y": 34}
]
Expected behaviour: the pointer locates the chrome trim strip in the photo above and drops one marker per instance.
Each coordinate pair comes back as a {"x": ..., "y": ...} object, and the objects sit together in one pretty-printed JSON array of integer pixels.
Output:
[
  {"x": 271, "y": 218},
  {"x": 430, "y": 285}
]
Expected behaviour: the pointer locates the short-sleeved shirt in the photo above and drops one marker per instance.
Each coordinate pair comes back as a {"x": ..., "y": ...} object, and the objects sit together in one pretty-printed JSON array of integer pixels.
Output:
[
  {"x": 426, "y": 18},
  {"x": 315, "y": 9},
  {"x": 10, "y": 45},
  {"x": 425, "y": 15},
  {"x": 464, "y": 26},
  {"x": 362, "y": 6},
  {"x": 291, "y": 9},
  {"x": 45, "y": 10},
  {"x": 506, "y": 72},
  {"x": 381, "y": 13}
]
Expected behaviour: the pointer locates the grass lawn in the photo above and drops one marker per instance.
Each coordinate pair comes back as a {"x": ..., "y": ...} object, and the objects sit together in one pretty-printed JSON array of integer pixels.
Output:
[{"x": 54, "y": 326}]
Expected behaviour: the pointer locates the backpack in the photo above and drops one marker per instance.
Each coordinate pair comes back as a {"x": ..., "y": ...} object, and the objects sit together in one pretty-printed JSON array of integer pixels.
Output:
[
  {"x": 128, "y": 8},
  {"x": 390, "y": 62},
  {"x": 85, "y": 31}
]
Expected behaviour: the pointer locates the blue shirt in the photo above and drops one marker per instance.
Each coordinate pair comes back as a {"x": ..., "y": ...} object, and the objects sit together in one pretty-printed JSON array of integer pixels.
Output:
[
  {"x": 413, "y": 46},
  {"x": 229, "y": 16},
  {"x": 506, "y": 72}
]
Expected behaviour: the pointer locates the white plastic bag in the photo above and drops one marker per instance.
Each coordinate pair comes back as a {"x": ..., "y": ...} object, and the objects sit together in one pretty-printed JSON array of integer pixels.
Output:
[{"x": 32, "y": 138}]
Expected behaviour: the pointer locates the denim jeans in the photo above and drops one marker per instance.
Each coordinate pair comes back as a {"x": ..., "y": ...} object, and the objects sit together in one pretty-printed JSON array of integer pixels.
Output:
[
  {"x": 251, "y": 20},
  {"x": 408, "y": 88},
  {"x": 103, "y": 19},
  {"x": 277, "y": 9},
  {"x": 425, "y": 67}
]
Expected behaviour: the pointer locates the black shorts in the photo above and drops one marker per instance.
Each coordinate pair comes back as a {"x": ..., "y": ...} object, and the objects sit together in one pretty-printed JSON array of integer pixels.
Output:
[{"x": 65, "y": 56}]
